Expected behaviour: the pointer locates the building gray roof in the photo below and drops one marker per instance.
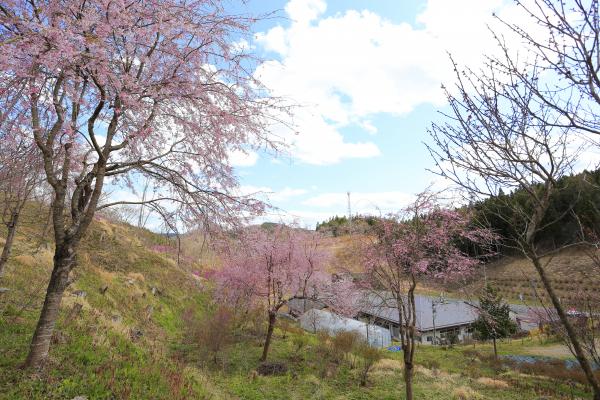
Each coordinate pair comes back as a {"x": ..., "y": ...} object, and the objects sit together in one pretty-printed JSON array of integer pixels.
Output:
[
  {"x": 449, "y": 313},
  {"x": 299, "y": 306}
]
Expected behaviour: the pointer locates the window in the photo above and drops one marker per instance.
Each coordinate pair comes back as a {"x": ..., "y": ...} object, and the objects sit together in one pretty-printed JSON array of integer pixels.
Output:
[{"x": 429, "y": 338}]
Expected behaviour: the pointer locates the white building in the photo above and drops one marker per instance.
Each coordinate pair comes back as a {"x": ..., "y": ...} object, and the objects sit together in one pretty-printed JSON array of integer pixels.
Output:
[{"x": 320, "y": 320}]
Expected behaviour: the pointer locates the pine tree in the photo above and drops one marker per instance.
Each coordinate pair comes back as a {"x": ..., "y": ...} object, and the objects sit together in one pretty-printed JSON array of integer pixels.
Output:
[{"x": 494, "y": 317}]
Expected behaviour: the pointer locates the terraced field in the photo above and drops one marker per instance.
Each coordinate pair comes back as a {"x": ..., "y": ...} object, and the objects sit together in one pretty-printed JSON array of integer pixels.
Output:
[{"x": 572, "y": 273}]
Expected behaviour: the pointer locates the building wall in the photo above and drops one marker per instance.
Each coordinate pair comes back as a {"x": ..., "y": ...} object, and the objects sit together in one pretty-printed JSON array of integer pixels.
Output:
[{"x": 463, "y": 332}]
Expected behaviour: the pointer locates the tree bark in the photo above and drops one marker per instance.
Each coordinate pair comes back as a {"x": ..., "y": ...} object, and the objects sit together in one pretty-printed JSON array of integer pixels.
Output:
[
  {"x": 495, "y": 348},
  {"x": 272, "y": 319},
  {"x": 571, "y": 334},
  {"x": 10, "y": 237},
  {"x": 64, "y": 261},
  {"x": 409, "y": 351},
  {"x": 408, "y": 380}
]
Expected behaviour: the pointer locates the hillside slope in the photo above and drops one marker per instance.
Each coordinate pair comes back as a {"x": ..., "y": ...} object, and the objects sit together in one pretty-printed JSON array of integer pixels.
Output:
[
  {"x": 119, "y": 319},
  {"x": 572, "y": 273},
  {"x": 122, "y": 329}
]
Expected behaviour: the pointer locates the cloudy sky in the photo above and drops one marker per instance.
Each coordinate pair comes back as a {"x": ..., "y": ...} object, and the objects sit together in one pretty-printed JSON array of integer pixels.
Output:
[{"x": 367, "y": 78}]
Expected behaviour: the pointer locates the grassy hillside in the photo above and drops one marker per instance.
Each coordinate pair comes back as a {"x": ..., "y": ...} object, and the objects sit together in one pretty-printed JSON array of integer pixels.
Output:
[
  {"x": 119, "y": 343},
  {"x": 128, "y": 339}
]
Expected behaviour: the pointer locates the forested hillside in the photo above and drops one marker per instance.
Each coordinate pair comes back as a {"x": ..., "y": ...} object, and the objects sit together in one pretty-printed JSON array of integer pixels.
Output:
[{"x": 573, "y": 215}]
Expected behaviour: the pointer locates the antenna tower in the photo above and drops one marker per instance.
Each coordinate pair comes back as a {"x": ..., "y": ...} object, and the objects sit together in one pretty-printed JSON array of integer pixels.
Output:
[{"x": 349, "y": 208}]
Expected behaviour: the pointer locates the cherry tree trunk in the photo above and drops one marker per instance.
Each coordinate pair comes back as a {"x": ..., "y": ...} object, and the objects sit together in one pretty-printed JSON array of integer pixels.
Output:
[
  {"x": 10, "y": 237},
  {"x": 64, "y": 261},
  {"x": 408, "y": 379},
  {"x": 571, "y": 334},
  {"x": 272, "y": 319}
]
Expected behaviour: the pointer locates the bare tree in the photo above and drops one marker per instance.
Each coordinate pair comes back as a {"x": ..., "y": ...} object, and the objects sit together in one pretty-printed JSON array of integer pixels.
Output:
[
  {"x": 20, "y": 174},
  {"x": 493, "y": 141},
  {"x": 589, "y": 302},
  {"x": 564, "y": 37}
]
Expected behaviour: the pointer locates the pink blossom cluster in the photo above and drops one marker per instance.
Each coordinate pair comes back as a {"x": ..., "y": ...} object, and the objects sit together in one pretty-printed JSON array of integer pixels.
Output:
[
  {"x": 145, "y": 88},
  {"x": 270, "y": 267},
  {"x": 424, "y": 241}
]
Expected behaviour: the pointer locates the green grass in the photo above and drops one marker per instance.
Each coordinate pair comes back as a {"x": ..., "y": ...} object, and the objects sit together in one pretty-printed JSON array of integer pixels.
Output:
[{"x": 96, "y": 357}]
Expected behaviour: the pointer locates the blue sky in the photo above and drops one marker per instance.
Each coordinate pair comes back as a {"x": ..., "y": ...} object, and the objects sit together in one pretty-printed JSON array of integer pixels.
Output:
[{"x": 367, "y": 76}]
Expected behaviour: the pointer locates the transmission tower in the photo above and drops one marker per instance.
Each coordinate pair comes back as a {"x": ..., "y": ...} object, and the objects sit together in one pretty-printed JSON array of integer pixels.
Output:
[{"x": 349, "y": 208}]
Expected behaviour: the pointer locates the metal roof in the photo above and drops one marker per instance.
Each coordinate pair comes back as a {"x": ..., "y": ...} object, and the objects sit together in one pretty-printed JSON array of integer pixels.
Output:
[
  {"x": 299, "y": 306},
  {"x": 450, "y": 313}
]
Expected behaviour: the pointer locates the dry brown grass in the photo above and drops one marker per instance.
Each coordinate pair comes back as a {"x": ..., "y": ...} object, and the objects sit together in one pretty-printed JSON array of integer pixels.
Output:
[
  {"x": 386, "y": 367},
  {"x": 136, "y": 276},
  {"x": 104, "y": 275},
  {"x": 465, "y": 393},
  {"x": 26, "y": 259},
  {"x": 490, "y": 382},
  {"x": 42, "y": 258},
  {"x": 569, "y": 272},
  {"x": 419, "y": 369}
]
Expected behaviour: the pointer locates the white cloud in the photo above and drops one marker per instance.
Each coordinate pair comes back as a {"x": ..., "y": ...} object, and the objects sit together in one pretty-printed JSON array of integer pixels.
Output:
[
  {"x": 586, "y": 150},
  {"x": 368, "y": 127},
  {"x": 361, "y": 202},
  {"x": 268, "y": 194},
  {"x": 306, "y": 219},
  {"x": 304, "y": 11},
  {"x": 287, "y": 193},
  {"x": 346, "y": 68},
  {"x": 323, "y": 206},
  {"x": 319, "y": 142},
  {"x": 239, "y": 158}
]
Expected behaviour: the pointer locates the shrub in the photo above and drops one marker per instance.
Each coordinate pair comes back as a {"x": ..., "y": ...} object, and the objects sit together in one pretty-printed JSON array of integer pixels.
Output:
[
  {"x": 344, "y": 342},
  {"x": 431, "y": 364},
  {"x": 324, "y": 347},
  {"x": 554, "y": 369},
  {"x": 285, "y": 327},
  {"x": 299, "y": 341},
  {"x": 271, "y": 368},
  {"x": 368, "y": 356},
  {"x": 212, "y": 333},
  {"x": 289, "y": 328},
  {"x": 250, "y": 322}
]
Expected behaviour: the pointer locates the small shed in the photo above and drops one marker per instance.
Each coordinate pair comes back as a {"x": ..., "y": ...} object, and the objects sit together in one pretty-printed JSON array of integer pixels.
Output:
[{"x": 320, "y": 320}]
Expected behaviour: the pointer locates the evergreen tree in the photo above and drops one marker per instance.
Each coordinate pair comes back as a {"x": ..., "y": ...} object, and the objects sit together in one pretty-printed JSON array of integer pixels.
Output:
[{"x": 494, "y": 317}]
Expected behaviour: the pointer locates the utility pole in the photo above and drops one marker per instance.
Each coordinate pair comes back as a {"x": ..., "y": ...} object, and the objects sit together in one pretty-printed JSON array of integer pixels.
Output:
[
  {"x": 349, "y": 212},
  {"x": 349, "y": 207},
  {"x": 433, "y": 311},
  {"x": 434, "y": 304}
]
